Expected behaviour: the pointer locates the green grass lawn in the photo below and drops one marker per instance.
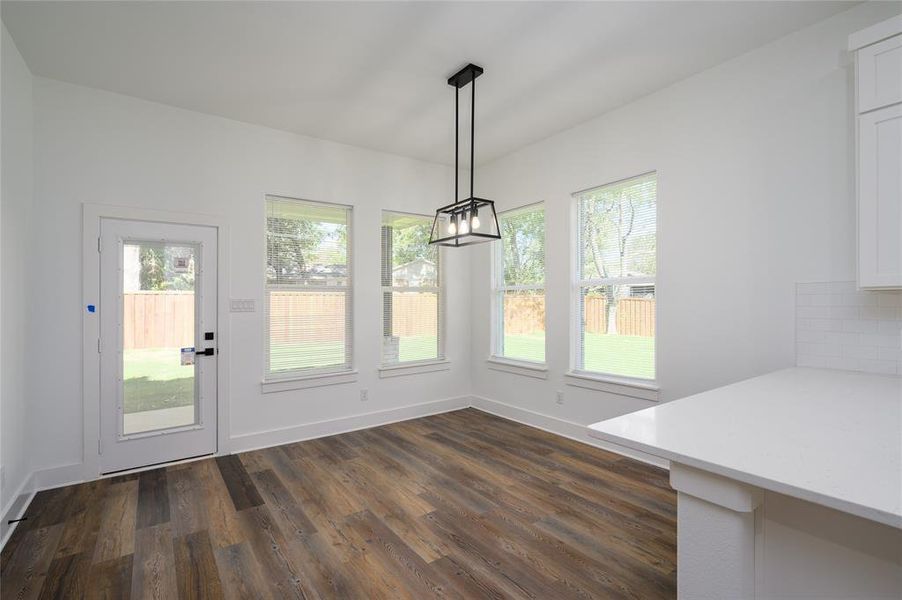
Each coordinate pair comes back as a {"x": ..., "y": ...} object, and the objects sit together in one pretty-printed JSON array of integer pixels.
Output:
[
  {"x": 621, "y": 355},
  {"x": 282, "y": 357},
  {"x": 154, "y": 379}
]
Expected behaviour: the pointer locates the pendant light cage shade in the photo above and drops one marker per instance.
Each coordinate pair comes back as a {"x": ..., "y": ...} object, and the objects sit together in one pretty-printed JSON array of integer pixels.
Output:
[
  {"x": 473, "y": 220},
  {"x": 467, "y": 222}
]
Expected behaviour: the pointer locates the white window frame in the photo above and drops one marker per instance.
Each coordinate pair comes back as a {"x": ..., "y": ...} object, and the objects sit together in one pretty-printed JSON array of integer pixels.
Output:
[
  {"x": 496, "y": 358},
  {"x": 387, "y": 368},
  {"x": 311, "y": 377},
  {"x": 642, "y": 388}
]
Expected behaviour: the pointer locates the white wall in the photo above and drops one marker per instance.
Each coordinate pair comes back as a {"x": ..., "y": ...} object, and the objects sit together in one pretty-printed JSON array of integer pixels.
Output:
[
  {"x": 756, "y": 192},
  {"x": 97, "y": 147},
  {"x": 15, "y": 212}
]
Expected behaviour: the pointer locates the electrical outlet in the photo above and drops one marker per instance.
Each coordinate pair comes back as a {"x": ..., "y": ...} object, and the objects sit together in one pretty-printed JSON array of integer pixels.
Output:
[
  {"x": 364, "y": 395},
  {"x": 560, "y": 397}
]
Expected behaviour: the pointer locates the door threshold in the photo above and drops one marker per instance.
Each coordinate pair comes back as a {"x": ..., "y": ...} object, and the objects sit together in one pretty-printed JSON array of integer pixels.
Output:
[{"x": 158, "y": 465}]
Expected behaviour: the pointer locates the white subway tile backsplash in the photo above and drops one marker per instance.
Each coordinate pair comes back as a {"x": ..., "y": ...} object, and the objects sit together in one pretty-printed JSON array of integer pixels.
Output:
[
  {"x": 811, "y": 337},
  {"x": 865, "y": 352},
  {"x": 841, "y": 327},
  {"x": 889, "y": 354},
  {"x": 889, "y": 299},
  {"x": 859, "y": 326}
]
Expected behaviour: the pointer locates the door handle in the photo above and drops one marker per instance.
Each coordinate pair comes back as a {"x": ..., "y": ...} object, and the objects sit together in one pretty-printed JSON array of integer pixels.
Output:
[{"x": 206, "y": 352}]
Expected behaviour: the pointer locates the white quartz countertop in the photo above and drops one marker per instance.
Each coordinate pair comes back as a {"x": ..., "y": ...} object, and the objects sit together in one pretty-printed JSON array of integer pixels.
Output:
[{"x": 829, "y": 437}]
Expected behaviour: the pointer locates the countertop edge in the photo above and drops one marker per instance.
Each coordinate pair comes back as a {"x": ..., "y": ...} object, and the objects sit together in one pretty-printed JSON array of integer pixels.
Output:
[{"x": 865, "y": 512}]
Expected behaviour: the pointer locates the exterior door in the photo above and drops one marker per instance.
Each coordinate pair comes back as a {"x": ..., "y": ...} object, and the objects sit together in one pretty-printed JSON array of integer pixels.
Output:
[{"x": 158, "y": 342}]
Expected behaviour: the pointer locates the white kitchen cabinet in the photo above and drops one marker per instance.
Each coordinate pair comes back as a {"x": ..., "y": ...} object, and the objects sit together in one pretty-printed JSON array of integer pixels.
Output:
[
  {"x": 880, "y": 198},
  {"x": 880, "y": 74},
  {"x": 878, "y": 63}
]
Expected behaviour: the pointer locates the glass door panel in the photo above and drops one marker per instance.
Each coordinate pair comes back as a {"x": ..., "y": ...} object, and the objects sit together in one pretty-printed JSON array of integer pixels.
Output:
[{"x": 159, "y": 388}]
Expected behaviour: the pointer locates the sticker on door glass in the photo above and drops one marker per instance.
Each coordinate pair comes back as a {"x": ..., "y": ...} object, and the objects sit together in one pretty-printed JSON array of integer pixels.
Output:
[
  {"x": 187, "y": 356},
  {"x": 181, "y": 264}
]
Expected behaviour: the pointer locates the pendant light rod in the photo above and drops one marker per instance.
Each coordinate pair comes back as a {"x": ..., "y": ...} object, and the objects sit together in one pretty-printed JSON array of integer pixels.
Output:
[
  {"x": 472, "y": 133},
  {"x": 456, "y": 143},
  {"x": 463, "y": 77}
]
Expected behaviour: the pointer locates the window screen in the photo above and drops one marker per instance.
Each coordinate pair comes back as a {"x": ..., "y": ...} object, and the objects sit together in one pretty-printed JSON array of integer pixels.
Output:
[
  {"x": 519, "y": 286},
  {"x": 308, "y": 287},
  {"x": 411, "y": 290},
  {"x": 615, "y": 296}
]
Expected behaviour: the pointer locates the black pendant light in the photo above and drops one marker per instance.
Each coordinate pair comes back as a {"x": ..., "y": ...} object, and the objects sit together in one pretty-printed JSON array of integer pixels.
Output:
[{"x": 472, "y": 220}]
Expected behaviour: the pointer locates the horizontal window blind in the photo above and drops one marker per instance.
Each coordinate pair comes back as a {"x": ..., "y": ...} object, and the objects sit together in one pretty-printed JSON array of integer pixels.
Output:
[
  {"x": 411, "y": 290},
  {"x": 519, "y": 286},
  {"x": 617, "y": 268},
  {"x": 308, "y": 287}
]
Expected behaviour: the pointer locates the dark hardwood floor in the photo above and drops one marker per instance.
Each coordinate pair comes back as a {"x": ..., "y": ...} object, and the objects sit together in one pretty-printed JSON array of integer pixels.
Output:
[{"x": 459, "y": 505}]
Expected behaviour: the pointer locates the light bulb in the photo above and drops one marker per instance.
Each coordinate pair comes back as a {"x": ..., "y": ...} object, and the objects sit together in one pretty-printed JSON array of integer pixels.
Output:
[
  {"x": 452, "y": 228},
  {"x": 464, "y": 227},
  {"x": 475, "y": 222}
]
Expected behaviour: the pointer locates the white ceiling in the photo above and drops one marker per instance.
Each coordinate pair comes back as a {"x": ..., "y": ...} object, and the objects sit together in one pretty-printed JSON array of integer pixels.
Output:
[{"x": 374, "y": 74}]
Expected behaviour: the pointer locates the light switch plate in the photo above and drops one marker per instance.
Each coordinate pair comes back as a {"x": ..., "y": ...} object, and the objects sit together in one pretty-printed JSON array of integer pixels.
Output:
[{"x": 243, "y": 305}]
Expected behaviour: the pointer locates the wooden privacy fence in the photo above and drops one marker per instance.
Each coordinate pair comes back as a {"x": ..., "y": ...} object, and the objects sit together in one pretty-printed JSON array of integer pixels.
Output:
[
  {"x": 635, "y": 316},
  {"x": 414, "y": 314},
  {"x": 158, "y": 320},
  {"x": 166, "y": 319},
  {"x": 525, "y": 314},
  {"x": 299, "y": 317},
  {"x": 320, "y": 316}
]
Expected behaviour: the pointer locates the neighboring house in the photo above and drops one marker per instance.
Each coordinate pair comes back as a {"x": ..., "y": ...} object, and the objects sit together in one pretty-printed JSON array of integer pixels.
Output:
[
  {"x": 327, "y": 275},
  {"x": 416, "y": 273}
]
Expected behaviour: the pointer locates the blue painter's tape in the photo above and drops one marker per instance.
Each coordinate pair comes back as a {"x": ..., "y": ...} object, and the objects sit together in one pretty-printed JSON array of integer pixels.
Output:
[{"x": 92, "y": 308}]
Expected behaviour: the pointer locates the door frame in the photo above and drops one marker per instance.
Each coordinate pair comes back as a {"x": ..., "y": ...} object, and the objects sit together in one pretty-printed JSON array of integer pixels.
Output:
[{"x": 91, "y": 218}]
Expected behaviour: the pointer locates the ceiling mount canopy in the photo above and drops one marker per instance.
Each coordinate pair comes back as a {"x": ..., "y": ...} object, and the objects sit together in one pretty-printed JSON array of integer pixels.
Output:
[{"x": 459, "y": 223}]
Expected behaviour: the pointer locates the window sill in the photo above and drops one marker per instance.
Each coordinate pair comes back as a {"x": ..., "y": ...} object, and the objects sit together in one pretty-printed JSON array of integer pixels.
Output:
[
  {"x": 402, "y": 369},
  {"x": 518, "y": 367},
  {"x": 308, "y": 381},
  {"x": 614, "y": 385}
]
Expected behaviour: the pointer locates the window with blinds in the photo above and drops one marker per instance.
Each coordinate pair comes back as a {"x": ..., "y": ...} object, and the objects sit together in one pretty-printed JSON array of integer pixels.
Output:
[
  {"x": 308, "y": 288},
  {"x": 616, "y": 272},
  {"x": 411, "y": 290},
  {"x": 519, "y": 285}
]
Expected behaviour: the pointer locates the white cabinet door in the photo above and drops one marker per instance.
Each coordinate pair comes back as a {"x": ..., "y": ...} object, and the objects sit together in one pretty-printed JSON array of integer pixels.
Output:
[
  {"x": 880, "y": 198},
  {"x": 880, "y": 74}
]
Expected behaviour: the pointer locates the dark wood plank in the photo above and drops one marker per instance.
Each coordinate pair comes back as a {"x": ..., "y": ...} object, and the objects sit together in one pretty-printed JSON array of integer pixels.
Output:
[
  {"x": 242, "y": 578},
  {"x": 111, "y": 579},
  {"x": 222, "y": 518},
  {"x": 67, "y": 577},
  {"x": 285, "y": 509},
  {"x": 398, "y": 559},
  {"x": 241, "y": 488},
  {"x": 274, "y": 554},
  {"x": 153, "y": 565},
  {"x": 23, "y": 575},
  {"x": 117, "y": 528},
  {"x": 197, "y": 575},
  {"x": 187, "y": 499},
  {"x": 153, "y": 498}
]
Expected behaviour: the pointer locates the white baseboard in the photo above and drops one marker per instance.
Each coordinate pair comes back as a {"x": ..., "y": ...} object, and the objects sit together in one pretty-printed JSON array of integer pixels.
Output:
[
  {"x": 16, "y": 508},
  {"x": 557, "y": 426},
  {"x": 55, "y": 477},
  {"x": 308, "y": 431}
]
